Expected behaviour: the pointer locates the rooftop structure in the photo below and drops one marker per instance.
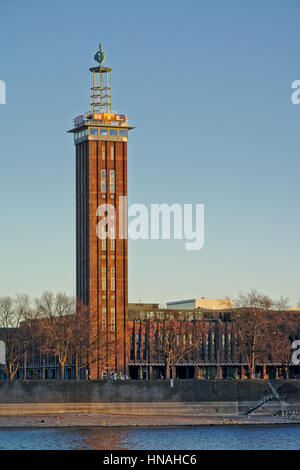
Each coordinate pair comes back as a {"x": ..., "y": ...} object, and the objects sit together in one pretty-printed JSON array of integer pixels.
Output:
[{"x": 201, "y": 303}]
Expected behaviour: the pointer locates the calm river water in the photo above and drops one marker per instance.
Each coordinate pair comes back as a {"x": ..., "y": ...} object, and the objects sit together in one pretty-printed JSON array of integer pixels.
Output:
[{"x": 194, "y": 438}]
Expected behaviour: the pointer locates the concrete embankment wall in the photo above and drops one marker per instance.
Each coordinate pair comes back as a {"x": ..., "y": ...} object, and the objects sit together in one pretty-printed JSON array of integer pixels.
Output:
[
  {"x": 121, "y": 403},
  {"x": 33, "y": 391}
]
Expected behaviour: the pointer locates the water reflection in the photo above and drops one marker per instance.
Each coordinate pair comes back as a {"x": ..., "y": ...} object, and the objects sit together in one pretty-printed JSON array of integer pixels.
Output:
[
  {"x": 107, "y": 438},
  {"x": 194, "y": 438}
]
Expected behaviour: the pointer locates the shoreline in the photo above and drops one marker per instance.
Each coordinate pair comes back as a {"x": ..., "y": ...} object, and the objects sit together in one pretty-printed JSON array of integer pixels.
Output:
[
  {"x": 145, "y": 414},
  {"x": 81, "y": 420}
]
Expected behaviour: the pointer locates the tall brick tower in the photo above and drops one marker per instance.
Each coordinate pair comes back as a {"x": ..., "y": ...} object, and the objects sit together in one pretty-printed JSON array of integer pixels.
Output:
[{"x": 100, "y": 137}]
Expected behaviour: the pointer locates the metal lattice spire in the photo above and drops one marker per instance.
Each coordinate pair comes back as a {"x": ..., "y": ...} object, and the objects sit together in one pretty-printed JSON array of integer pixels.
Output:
[{"x": 100, "y": 85}]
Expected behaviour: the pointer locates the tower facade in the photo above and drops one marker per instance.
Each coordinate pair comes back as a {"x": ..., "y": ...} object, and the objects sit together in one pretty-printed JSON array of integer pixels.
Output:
[{"x": 100, "y": 137}]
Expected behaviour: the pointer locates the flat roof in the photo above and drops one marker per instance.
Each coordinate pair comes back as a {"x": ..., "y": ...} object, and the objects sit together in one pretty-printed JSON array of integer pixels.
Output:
[{"x": 183, "y": 301}]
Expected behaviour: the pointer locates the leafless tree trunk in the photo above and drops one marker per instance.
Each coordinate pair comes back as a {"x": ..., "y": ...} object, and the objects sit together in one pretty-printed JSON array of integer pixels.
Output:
[
  {"x": 175, "y": 339},
  {"x": 252, "y": 324},
  {"x": 15, "y": 314},
  {"x": 56, "y": 324}
]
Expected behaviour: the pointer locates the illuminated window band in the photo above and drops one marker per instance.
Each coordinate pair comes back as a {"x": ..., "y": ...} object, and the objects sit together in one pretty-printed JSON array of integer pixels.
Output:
[{"x": 101, "y": 131}]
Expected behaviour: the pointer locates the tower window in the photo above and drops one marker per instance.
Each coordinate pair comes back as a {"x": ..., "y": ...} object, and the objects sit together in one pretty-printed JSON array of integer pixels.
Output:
[
  {"x": 112, "y": 178},
  {"x": 113, "y": 239},
  {"x": 103, "y": 239},
  {"x": 113, "y": 132},
  {"x": 103, "y": 181},
  {"x": 103, "y": 317},
  {"x": 112, "y": 154},
  {"x": 103, "y": 152},
  {"x": 103, "y": 131},
  {"x": 113, "y": 283},
  {"x": 113, "y": 319},
  {"x": 103, "y": 278},
  {"x": 123, "y": 132},
  {"x": 93, "y": 130}
]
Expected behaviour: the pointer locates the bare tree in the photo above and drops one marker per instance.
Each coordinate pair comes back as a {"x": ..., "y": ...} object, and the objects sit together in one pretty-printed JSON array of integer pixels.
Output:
[
  {"x": 174, "y": 339},
  {"x": 251, "y": 325},
  {"x": 80, "y": 338},
  {"x": 14, "y": 315},
  {"x": 56, "y": 324},
  {"x": 88, "y": 343},
  {"x": 281, "y": 326},
  {"x": 264, "y": 334},
  {"x": 282, "y": 304}
]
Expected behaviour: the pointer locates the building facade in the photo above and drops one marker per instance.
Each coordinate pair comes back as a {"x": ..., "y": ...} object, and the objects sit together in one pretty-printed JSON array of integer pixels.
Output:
[{"x": 217, "y": 354}]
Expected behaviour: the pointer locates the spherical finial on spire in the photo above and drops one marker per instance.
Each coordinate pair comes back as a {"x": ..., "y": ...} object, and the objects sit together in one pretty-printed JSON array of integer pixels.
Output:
[{"x": 99, "y": 56}]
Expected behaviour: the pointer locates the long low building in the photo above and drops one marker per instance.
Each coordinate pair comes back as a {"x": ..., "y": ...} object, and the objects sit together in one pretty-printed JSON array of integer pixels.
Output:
[
  {"x": 217, "y": 354},
  {"x": 199, "y": 343}
]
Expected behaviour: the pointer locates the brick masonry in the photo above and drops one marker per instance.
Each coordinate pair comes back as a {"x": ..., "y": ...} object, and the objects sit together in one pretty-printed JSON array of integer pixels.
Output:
[{"x": 95, "y": 263}]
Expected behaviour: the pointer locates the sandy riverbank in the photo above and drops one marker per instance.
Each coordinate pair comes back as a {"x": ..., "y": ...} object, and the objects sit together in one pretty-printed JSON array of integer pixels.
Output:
[{"x": 45, "y": 420}]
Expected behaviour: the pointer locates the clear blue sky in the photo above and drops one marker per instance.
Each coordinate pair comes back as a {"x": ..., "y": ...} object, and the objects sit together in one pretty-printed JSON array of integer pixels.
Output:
[{"x": 207, "y": 85}]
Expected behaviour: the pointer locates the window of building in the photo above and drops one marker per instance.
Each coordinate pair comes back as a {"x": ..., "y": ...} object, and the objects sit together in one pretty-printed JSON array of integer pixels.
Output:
[
  {"x": 103, "y": 131},
  {"x": 113, "y": 132},
  {"x": 123, "y": 132},
  {"x": 103, "y": 152},
  {"x": 138, "y": 347},
  {"x": 93, "y": 130},
  {"x": 202, "y": 349},
  {"x": 112, "y": 152},
  {"x": 103, "y": 181},
  {"x": 104, "y": 375},
  {"x": 144, "y": 347},
  {"x": 103, "y": 317},
  {"x": 113, "y": 281},
  {"x": 113, "y": 319},
  {"x": 223, "y": 342},
  {"x": 112, "y": 183},
  {"x": 103, "y": 278},
  {"x": 229, "y": 343},
  {"x": 131, "y": 348},
  {"x": 213, "y": 344}
]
